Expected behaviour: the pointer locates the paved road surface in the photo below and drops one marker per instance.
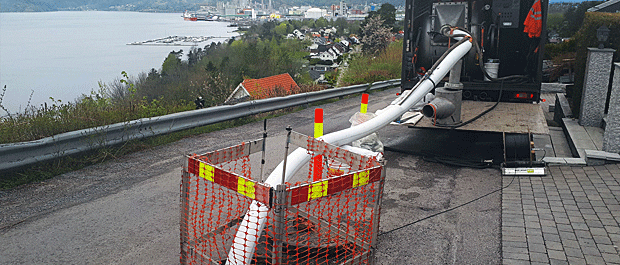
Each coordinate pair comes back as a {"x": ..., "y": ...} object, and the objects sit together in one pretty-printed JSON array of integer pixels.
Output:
[{"x": 125, "y": 211}]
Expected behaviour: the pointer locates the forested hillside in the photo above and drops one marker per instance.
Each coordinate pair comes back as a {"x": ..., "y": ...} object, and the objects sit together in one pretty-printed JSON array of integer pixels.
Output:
[{"x": 148, "y": 5}]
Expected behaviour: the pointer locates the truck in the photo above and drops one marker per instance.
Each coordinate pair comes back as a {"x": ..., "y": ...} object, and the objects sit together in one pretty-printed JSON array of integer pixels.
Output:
[{"x": 496, "y": 86}]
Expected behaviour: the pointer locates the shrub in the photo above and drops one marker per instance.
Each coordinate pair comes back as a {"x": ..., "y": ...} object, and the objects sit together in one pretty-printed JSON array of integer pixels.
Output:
[{"x": 368, "y": 68}]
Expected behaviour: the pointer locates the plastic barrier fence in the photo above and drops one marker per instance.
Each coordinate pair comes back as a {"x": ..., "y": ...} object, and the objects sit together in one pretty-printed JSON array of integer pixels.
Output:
[{"x": 333, "y": 220}]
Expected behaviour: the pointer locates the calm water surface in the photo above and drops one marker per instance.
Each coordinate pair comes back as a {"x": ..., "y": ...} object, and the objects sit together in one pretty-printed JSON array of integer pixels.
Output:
[{"x": 65, "y": 54}]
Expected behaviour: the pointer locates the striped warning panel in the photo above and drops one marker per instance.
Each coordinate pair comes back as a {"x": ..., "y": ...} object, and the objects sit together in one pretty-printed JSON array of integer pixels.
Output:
[
  {"x": 234, "y": 182},
  {"x": 333, "y": 185}
]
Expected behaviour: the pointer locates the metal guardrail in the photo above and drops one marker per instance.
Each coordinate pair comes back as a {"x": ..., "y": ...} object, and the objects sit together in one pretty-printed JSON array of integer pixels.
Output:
[{"x": 16, "y": 155}]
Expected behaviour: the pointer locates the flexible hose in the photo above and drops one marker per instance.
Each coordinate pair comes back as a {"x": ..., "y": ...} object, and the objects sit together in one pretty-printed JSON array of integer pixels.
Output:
[{"x": 250, "y": 229}]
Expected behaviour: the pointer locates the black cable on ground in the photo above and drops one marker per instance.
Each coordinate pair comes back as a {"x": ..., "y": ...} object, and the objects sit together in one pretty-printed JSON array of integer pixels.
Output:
[
  {"x": 446, "y": 160},
  {"x": 447, "y": 210}
]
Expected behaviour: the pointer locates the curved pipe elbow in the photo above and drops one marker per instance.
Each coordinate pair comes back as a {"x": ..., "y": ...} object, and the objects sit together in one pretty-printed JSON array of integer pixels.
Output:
[{"x": 439, "y": 108}]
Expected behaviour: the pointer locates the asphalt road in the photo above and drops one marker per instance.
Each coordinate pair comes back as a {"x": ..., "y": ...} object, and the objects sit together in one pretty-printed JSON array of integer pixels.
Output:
[{"x": 126, "y": 211}]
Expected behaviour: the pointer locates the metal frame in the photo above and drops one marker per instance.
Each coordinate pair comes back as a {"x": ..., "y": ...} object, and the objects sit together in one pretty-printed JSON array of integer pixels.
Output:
[{"x": 280, "y": 196}]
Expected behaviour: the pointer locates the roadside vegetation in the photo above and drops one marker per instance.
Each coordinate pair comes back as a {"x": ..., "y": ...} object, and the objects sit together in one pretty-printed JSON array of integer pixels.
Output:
[
  {"x": 211, "y": 72},
  {"x": 380, "y": 58},
  {"x": 368, "y": 68}
]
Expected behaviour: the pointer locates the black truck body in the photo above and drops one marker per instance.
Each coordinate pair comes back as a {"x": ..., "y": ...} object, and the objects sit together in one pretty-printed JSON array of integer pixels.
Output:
[{"x": 497, "y": 26}]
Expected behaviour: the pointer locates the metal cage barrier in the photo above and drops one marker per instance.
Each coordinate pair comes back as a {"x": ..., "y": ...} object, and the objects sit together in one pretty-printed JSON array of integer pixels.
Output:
[{"x": 333, "y": 220}]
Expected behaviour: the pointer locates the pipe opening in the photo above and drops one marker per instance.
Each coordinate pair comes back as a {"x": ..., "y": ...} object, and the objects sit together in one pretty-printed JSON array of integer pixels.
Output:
[{"x": 428, "y": 111}]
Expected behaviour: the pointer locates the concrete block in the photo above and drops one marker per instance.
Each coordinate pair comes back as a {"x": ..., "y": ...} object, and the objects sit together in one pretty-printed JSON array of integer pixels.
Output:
[
  {"x": 554, "y": 160},
  {"x": 594, "y": 94},
  {"x": 595, "y": 157},
  {"x": 596, "y": 154},
  {"x": 561, "y": 109},
  {"x": 613, "y": 157},
  {"x": 611, "y": 137},
  {"x": 552, "y": 88},
  {"x": 575, "y": 161},
  {"x": 567, "y": 125},
  {"x": 596, "y": 135},
  {"x": 594, "y": 161}
]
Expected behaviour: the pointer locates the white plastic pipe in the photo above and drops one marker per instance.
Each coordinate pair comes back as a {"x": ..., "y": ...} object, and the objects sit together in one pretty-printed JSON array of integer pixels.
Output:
[{"x": 254, "y": 221}]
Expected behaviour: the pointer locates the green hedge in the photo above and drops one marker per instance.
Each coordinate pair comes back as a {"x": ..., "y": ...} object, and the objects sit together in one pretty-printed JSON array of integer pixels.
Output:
[
  {"x": 586, "y": 37},
  {"x": 554, "y": 50}
]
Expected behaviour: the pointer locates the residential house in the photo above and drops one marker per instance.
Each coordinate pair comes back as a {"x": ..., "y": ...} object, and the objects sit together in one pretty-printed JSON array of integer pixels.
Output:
[
  {"x": 329, "y": 55},
  {"x": 319, "y": 40},
  {"x": 296, "y": 35},
  {"x": 340, "y": 48},
  {"x": 262, "y": 88},
  {"x": 318, "y": 77},
  {"x": 323, "y": 68},
  {"x": 299, "y": 35}
]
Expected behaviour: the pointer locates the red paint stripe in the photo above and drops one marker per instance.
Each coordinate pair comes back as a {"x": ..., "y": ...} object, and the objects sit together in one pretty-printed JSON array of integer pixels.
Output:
[
  {"x": 225, "y": 179},
  {"x": 261, "y": 193},
  {"x": 192, "y": 166},
  {"x": 299, "y": 195},
  {"x": 364, "y": 98},
  {"x": 318, "y": 115},
  {"x": 317, "y": 173},
  {"x": 339, "y": 184},
  {"x": 375, "y": 175}
]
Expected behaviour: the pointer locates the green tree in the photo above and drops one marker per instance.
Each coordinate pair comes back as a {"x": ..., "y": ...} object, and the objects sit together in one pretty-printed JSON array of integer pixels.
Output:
[
  {"x": 376, "y": 37},
  {"x": 341, "y": 25},
  {"x": 281, "y": 29},
  {"x": 554, "y": 21},
  {"x": 172, "y": 63},
  {"x": 573, "y": 18},
  {"x": 321, "y": 22},
  {"x": 388, "y": 14}
]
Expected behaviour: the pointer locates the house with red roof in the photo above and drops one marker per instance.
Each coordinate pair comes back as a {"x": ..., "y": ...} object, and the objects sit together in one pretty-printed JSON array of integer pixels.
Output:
[{"x": 262, "y": 88}]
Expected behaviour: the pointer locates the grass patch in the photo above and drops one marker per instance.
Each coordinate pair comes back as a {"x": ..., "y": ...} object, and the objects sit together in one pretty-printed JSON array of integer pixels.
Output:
[
  {"x": 46, "y": 170},
  {"x": 90, "y": 111},
  {"x": 367, "y": 68}
]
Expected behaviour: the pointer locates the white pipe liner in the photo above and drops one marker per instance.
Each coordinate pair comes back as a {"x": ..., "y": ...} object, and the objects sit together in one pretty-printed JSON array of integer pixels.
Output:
[{"x": 254, "y": 221}]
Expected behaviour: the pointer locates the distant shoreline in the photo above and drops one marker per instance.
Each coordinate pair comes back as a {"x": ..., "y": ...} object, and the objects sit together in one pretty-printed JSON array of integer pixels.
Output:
[{"x": 52, "y": 11}]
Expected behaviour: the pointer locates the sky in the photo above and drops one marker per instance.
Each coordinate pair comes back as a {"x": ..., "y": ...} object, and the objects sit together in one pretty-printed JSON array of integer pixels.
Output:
[{"x": 565, "y": 1}]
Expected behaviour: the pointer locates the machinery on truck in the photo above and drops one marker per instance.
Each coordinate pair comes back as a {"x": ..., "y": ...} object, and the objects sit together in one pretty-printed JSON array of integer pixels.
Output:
[{"x": 503, "y": 72}]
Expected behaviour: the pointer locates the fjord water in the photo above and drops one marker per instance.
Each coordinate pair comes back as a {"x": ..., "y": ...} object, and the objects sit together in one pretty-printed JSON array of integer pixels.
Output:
[{"x": 65, "y": 54}]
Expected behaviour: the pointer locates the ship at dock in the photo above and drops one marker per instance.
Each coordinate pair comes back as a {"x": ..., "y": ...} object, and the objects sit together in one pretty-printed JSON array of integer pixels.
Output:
[
  {"x": 202, "y": 16},
  {"x": 189, "y": 16}
]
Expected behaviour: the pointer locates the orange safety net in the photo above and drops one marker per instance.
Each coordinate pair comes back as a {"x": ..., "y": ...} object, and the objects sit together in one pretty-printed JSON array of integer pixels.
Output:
[{"x": 333, "y": 220}]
